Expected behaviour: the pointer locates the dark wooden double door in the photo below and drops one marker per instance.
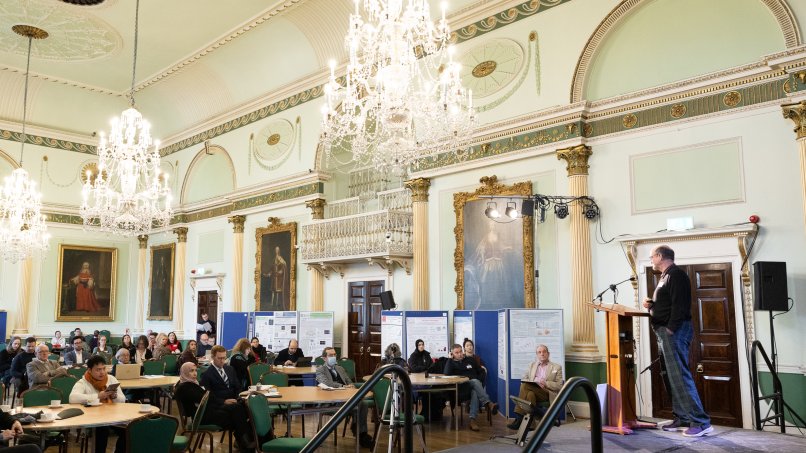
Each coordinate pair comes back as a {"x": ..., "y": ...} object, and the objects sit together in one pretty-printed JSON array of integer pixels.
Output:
[
  {"x": 713, "y": 355},
  {"x": 364, "y": 325}
]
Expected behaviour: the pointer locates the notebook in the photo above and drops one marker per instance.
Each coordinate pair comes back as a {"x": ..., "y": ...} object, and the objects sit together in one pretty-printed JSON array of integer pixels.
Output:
[{"x": 127, "y": 371}]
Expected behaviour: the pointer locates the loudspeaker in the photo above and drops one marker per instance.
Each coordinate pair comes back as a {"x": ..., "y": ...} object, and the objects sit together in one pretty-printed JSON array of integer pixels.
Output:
[
  {"x": 769, "y": 282},
  {"x": 387, "y": 300},
  {"x": 528, "y": 207}
]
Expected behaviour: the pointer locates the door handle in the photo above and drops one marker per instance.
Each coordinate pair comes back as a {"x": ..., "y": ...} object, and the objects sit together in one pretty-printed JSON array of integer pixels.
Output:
[
  {"x": 361, "y": 350},
  {"x": 699, "y": 367},
  {"x": 368, "y": 348}
]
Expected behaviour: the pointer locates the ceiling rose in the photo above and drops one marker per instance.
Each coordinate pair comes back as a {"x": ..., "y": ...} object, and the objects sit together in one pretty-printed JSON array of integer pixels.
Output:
[{"x": 84, "y": 2}]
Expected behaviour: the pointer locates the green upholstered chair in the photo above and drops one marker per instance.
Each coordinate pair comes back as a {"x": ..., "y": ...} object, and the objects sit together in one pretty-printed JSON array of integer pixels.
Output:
[
  {"x": 319, "y": 361},
  {"x": 278, "y": 379},
  {"x": 170, "y": 364},
  {"x": 261, "y": 422},
  {"x": 349, "y": 367},
  {"x": 54, "y": 357},
  {"x": 153, "y": 367},
  {"x": 64, "y": 384},
  {"x": 154, "y": 433},
  {"x": 383, "y": 403},
  {"x": 77, "y": 371},
  {"x": 40, "y": 396},
  {"x": 194, "y": 432},
  {"x": 256, "y": 370}
]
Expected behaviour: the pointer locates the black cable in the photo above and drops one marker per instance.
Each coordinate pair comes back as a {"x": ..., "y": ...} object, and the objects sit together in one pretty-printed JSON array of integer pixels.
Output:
[{"x": 791, "y": 306}]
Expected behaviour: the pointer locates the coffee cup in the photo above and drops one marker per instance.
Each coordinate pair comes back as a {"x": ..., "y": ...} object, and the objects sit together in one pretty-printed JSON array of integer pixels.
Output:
[
  {"x": 5, "y": 407},
  {"x": 259, "y": 387},
  {"x": 55, "y": 403},
  {"x": 145, "y": 407},
  {"x": 47, "y": 416},
  {"x": 252, "y": 388},
  {"x": 93, "y": 401}
]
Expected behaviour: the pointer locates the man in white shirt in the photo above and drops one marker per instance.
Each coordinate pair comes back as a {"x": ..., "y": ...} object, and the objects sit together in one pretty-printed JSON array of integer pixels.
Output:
[
  {"x": 93, "y": 387},
  {"x": 78, "y": 356},
  {"x": 541, "y": 382}
]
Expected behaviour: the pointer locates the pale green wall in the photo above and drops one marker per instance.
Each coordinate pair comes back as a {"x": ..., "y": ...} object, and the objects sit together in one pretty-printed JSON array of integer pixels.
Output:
[{"x": 212, "y": 175}]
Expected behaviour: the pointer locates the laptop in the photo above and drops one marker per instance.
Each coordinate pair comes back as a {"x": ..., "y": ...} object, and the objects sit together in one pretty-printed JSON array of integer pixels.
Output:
[
  {"x": 304, "y": 362},
  {"x": 127, "y": 371}
]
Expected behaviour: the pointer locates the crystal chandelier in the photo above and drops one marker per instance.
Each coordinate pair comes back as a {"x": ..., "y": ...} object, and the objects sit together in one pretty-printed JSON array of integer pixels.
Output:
[
  {"x": 22, "y": 226},
  {"x": 402, "y": 99},
  {"x": 129, "y": 194}
]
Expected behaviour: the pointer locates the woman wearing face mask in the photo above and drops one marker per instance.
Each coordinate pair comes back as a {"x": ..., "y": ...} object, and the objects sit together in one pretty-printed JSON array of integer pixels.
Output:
[{"x": 420, "y": 360}]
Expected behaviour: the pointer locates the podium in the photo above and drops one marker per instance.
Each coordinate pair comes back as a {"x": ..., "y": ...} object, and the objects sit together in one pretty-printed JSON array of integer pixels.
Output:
[{"x": 621, "y": 417}]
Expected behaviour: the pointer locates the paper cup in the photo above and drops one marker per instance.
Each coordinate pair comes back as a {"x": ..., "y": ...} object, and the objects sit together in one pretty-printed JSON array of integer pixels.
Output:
[
  {"x": 5, "y": 408},
  {"x": 145, "y": 407},
  {"x": 55, "y": 402}
]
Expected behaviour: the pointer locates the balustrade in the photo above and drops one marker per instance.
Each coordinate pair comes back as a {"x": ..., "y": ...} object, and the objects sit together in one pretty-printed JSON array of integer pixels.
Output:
[{"x": 379, "y": 233}]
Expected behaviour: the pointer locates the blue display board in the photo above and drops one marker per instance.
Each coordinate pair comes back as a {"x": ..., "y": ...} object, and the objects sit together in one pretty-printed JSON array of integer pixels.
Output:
[
  {"x": 232, "y": 327},
  {"x": 3, "y": 321},
  {"x": 479, "y": 326}
]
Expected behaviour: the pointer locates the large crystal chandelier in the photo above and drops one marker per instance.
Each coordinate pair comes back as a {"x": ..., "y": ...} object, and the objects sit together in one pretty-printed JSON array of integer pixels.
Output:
[
  {"x": 402, "y": 98},
  {"x": 129, "y": 194},
  {"x": 22, "y": 226}
]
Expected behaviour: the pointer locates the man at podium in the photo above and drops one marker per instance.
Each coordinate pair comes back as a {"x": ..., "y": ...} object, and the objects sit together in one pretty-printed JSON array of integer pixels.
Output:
[
  {"x": 541, "y": 382},
  {"x": 670, "y": 310}
]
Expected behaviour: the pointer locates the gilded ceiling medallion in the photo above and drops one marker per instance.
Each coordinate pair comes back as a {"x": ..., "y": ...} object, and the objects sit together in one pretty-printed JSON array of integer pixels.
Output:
[
  {"x": 273, "y": 139},
  {"x": 732, "y": 98},
  {"x": 629, "y": 120},
  {"x": 29, "y": 31},
  {"x": 84, "y": 2},
  {"x": 484, "y": 69},
  {"x": 587, "y": 130},
  {"x": 90, "y": 171},
  {"x": 678, "y": 110}
]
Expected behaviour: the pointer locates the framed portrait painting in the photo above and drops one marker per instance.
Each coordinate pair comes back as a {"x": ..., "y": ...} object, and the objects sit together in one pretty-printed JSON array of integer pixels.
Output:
[
  {"x": 276, "y": 266},
  {"x": 494, "y": 260},
  {"x": 161, "y": 282},
  {"x": 86, "y": 285}
]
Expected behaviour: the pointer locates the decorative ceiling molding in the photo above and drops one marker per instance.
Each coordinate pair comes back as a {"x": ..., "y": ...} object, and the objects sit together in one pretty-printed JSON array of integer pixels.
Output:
[
  {"x": 47, "y": 78},
  {"x": 778, "y": 8},
  {"x": 503, "y": 18},
  {"x": 317, "y": 21}
]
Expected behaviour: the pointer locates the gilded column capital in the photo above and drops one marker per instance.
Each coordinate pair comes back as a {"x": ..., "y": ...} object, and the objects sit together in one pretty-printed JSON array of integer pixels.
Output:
[
  {"x": 419, "y": 189},
  {"x": 181, "y": 234},
  {"x": 317, "y": 207},
  {"x": 143, "y": 239},
  {"x": 237, "y": 222},
  {"x": 796, "y": 113},
  {"x": 577, "y": 159}
]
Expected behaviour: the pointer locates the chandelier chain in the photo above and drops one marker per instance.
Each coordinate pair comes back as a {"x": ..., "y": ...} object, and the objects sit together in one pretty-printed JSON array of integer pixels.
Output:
[
  {"x": 134, "y": 63},
  {"x": 25, "y": 99}
]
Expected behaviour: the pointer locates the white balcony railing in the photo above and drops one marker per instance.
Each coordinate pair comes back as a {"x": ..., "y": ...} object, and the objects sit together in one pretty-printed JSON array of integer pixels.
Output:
[
  {"x": 367, "y": 235},
  {"x": 395, "y": 200},
  {"x": 343, "y": 208}
]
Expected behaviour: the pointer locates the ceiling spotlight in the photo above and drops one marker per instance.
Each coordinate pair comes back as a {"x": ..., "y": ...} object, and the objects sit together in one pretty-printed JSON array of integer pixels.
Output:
[
  {"x": 561, "y": 210},
  {"x": 512, "y": 210},
  {"x": 492, "y": 211}
]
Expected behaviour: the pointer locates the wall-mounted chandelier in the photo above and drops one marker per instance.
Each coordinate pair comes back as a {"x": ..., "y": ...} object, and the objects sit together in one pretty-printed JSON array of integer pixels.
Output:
[
  {"x": 129, "y": 194},
  {"x": 402, "y": 98},
  {"x": 22, "y": 226}
]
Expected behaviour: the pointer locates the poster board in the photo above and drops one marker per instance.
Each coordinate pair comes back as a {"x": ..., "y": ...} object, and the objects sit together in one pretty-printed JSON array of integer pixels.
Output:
[
  {"x": 529, "y": 328},
  {"x": 261, "y": 325},
  {"x": 462, "y": 326},
  {"x": 285, "y": 329},
  {"x": 233, "y": 326},
  {"x": 429, "y": 326},
  {"x": 315, "y": 331},
  {"x": 391, "y": 328}
]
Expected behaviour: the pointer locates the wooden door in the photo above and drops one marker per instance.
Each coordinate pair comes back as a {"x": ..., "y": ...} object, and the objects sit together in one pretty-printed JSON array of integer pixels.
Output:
[
  {"x": 364, "y": 325},
  {"x": 208, "y": 303},
  {"x": 713, "y": 356}
]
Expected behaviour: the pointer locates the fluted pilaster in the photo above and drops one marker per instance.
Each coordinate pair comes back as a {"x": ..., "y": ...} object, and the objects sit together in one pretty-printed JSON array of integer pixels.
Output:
[
  {"x": 21, "y": 326},
  {"x": 237, "y": 222},
  {"x": 142, "y": 258},
  {"x": 419, "y": 197},
  {"x": 317, "y": 207},
  {"x": 797, "y": 113},
  {"x": 179, "y": 279}
]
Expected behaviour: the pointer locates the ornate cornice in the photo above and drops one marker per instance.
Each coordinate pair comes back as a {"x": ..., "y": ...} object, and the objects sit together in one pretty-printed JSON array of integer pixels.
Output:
[
  {"x": 796, "y": 113},
  {"x": 317, "y": 207},
  {"x": 503, "y": 18},
  {"x": 419, "y": 189},
  {"x": 143, "y": 240},
  {"x": 181, "y": 234},
  {"x": 66, "y": 145},
  {"x": 237, "y": 222},
  {"x": 577, "y": 159}
]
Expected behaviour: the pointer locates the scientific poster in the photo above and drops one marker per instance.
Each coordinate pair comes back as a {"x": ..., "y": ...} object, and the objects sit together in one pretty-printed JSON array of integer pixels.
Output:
[
  {"x": 502, "y": 344},
  {"x": 529, "y": 328},
  {"x": 391, "y": 329},
  {"x": 432, "y": 328},
  {"x": 264, "y": 330},
  {"x": 462, "y": 326},
  {"x": 315, "y": 331},
  {"x": 285, "y": 329}
]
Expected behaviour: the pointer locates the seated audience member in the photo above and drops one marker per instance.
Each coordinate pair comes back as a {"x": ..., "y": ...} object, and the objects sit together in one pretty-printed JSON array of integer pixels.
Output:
[
  {"x": 470, "y": 351},
  {"x": 289, "y": 355},
  {"x": 205, "y": 326},
  {"x": 189, "y": 354},
  {"x": 77, "y": 356},
  {"x": 126, "y": 343},
  {"x": 123, "y": 357},
  {"x": 420, "y": 360},
  {"x": 141, "y": 352},
  {"x": 459, "y": 365},
  {"x": 11, "y": 429},
  {"x": 203, "y": 345},
  {"x": 40, "y": 369},
  {"x": 58, "y": 341},
  {"x": 394, "y": 355},
  {"x": 73, "y": 334},
  {"x": 19, "y": 366},
  {"x": 7, "y": 355},
  {"x": 173, "y": 343},
  {"x": 541, "y": 382},
  {"x": 240, "y": 360},
  {"x": 222, "y": 382},
  {"x": 93, "y": 340},
  {"x": 93, "y": 387},
  {"x": 152, "y": 342},
  {"x": 162, "y": 348},
  {"x": 258, "y": 350},
  {"x": 103, "y": 349},
  {"x": 333, "y": 375}
]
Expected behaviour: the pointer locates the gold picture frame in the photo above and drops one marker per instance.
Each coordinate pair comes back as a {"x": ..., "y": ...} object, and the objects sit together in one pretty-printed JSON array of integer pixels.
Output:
[
  {"x": 276, "y": 277},
  {"x": 495, "y": 266},
  {"x": 86, "y": 285},
  {"x": 161, "y": 282}
]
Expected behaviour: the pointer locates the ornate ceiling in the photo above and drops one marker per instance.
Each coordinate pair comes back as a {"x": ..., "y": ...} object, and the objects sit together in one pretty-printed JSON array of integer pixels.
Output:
[{"x": 197, "y": 59}]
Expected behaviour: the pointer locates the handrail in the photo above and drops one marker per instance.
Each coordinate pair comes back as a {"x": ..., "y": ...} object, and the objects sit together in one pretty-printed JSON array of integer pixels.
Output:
[
  {"x": 777, "y": 396},
  {"x": 356, "y": 399},
  {"x": 559, "y": 403}
]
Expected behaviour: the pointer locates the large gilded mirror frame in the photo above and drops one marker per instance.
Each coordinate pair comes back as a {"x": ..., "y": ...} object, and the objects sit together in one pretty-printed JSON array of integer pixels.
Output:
[
  {"x": 276, "y": 275},
  {"x": 491, "y": 187}
]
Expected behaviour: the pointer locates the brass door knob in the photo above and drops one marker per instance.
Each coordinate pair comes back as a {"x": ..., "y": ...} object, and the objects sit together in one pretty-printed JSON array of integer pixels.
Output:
[
  {"x": 361, "y": 350},
  {"x": 699, "y": 367}
]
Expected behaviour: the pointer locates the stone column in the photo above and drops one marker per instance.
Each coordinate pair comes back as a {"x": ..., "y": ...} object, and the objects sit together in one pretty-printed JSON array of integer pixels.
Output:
[
  {"x": 21, "y": 322},
  {"x": 317, "y": 207},
  {"x": 141, "y": 283},
  {"x": 797, "y": 113},
  {"x": 419, "y": 201},
  {"x": 237, "y": 222},
  {"x": 584, "y": 339},
  {"x": 179, "y": 279}
]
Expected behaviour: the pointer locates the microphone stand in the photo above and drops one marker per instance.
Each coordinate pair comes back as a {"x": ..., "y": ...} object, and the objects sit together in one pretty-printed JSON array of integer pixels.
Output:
[{"x": 611, "y": 287}]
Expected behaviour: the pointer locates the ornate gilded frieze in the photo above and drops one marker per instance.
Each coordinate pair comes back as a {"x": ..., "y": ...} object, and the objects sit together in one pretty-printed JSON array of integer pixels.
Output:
[
  {"x": 48, "y": 142},
  {"x": 509, "y": 16}
]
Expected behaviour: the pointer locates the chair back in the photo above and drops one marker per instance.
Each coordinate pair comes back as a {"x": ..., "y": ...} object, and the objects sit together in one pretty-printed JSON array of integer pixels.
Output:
[
  {"x": 380, "y": 393},
  {"x": 319, "y": 361},
  {"x": 278, "y": 379},
  {"x": 53, "y": 357},
  {"x": 64, "y": 384},
  {"x": 151, "y": 434},
  {"x": 256, "y": 370},
  {"x": 259, "y": 415},
  {"x": 154, "y": 367},
  {"x": 40, "y": 396},
  {"x": 77, "y": 371},
  {"x": 349, "y": 367},
  {"x": 170, "y": 364},
  {"x": 107, "y": 334}
]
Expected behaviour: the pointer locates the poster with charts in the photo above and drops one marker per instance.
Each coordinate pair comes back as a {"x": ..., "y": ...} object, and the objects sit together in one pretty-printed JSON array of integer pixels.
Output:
[
  {"x": 315, "y": 331},
  {"x": 391, "y": 328},
  {"x": 285, "y": 329},
  {"x": 529, "y": 328},
  {"x": 429, "y": 326},
  {"x": 264, "y": 329},
  {"x": 502, "y": 344},
  {"x": 462, "y": 326}
]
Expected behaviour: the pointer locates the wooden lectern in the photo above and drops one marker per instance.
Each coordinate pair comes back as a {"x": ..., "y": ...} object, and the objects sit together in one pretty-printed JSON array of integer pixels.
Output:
[{"x": 621, "y": 417}]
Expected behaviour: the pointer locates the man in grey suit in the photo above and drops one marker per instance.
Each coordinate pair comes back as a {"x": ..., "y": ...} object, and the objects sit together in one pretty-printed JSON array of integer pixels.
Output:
[
  {"x": 78, "y": 356},
  {"x": 333, "y": 375},
  {"x": 541, "y": 382},
  {"x": 40, "y": 370}
]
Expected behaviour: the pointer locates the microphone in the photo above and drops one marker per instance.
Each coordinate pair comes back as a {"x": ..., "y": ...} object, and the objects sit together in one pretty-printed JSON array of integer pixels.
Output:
[{"x": 613, "y": 287}]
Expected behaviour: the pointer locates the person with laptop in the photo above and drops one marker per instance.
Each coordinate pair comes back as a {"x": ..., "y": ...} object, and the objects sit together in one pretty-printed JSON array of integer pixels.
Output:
[
  {"x": 289, "y": 355},
  {"x": 125, "y": 369}
]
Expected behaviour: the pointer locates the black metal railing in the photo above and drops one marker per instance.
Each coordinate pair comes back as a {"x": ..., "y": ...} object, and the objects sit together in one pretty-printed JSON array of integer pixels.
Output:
[
  {"x": 559, "y": 403},
  {"x": 776, "y": 398},
  {"x": 340, "y": 415}
]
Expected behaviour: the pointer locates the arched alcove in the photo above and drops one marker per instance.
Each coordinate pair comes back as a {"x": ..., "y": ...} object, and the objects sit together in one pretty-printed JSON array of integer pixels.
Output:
[{"x": 211, "y": 174}]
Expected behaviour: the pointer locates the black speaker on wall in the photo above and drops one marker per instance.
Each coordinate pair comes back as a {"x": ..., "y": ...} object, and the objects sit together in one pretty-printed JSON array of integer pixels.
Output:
[
  {"x": 769, "y": 282},
  {"x": 387, "y": 300}
]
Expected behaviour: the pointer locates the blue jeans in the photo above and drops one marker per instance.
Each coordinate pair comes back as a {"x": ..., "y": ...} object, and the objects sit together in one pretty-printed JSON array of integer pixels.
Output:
[
  {"x": 477, "y": 395},
  {"x": 686, "y": 402}
]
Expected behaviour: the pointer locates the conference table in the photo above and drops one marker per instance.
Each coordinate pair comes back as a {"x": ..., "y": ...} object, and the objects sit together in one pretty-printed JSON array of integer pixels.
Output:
[
  {"x": 154, "y": 383},
  {"x": 296, "y": 373}
]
